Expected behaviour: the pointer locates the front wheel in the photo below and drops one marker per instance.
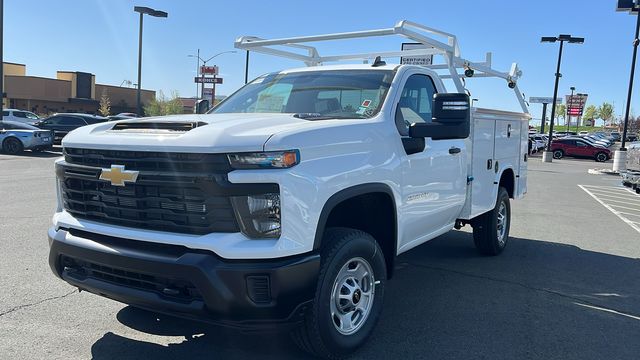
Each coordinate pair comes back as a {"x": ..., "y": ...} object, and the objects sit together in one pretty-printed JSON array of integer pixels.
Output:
[
  {"x": 601, "y": 157},
  {"x": 491, "y": 229},
  {"x": 349, "y": 295}
]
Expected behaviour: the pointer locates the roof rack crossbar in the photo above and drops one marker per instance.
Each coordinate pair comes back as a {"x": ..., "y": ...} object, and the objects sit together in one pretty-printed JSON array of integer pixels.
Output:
[{"x": 437, "y": 43}]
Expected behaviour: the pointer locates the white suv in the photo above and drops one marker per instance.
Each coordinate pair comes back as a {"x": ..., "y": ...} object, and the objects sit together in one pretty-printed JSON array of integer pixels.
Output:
[{"x": 22, "y": 116}]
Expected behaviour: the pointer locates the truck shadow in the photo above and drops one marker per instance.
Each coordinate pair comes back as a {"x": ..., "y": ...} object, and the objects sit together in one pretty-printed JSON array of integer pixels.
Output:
[{"x": 539, "y": 299}]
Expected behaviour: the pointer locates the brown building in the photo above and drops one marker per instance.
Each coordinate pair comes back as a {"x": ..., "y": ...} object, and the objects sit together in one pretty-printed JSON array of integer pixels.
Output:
[{"x": 70, "y": 91}]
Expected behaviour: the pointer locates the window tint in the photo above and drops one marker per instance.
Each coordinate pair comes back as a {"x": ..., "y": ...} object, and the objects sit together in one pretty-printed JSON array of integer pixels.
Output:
[
  {"x": 71, "y": 121},
  {"x": 581, "y": 144},
  {"x": 20, "y": 114},
  {"x": 5, "y": 113},
  {"x": 415, "y": 102}
]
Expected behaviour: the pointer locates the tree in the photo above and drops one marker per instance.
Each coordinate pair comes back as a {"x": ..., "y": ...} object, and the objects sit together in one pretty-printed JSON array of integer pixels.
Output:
[
  {"x": 105, "y": 104},
  {"x": 561, "y": 112},
  {"x": 163, "y": 106},
  {"x": 605, "y": 112},
  {"x": 590, "y": 113}
]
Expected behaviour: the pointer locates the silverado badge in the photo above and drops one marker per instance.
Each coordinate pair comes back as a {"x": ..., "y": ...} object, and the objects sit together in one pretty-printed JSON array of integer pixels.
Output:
[{"x": 118, "y": 176}]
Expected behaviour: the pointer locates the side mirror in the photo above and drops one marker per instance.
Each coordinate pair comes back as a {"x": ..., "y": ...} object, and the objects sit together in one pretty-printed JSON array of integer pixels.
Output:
[
  {"x": 201, "y": 106},
  {"x": 451, "y": 118}
]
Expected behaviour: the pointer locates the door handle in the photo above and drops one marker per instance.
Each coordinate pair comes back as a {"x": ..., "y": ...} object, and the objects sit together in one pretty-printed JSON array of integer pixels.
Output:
[{"x": 454, "y": 150}]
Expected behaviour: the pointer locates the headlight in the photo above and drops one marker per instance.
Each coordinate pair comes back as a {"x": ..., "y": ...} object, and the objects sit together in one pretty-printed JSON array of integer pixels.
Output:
[
  {"x": 265, "y": 160},
  {"x": 258, "y": 215}
]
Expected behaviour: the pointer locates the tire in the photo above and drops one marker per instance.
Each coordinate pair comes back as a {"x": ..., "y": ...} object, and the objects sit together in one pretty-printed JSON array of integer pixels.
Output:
[
  {"x": 558, "y": 154},
  {"x": 490, "y": 234},
  {"x": 12, "y": 146},
  {"x": 601, "y": 157},
  {"x": 325, "y": 335}
]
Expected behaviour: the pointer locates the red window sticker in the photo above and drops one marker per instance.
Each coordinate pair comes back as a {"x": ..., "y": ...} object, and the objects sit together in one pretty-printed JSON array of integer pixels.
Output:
[{"x": 366, "y": 103}]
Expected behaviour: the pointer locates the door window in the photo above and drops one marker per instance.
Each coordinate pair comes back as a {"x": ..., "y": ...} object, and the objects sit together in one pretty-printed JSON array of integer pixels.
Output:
[
  {"x": 415, "y": 102},
  {"x": 71, "y": 121}
]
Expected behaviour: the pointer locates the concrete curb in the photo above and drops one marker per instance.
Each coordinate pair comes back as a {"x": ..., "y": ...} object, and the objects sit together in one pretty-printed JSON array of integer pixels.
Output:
[{"x": 603, "y": 172}]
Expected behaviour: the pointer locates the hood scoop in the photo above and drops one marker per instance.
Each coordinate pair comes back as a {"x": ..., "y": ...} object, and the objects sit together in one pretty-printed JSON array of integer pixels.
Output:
[{"x": 155, "y": 127}]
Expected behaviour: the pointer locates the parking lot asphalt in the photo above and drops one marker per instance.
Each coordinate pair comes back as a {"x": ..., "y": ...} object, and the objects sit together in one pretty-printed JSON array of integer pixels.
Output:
[{"x": 566, "y": 287}]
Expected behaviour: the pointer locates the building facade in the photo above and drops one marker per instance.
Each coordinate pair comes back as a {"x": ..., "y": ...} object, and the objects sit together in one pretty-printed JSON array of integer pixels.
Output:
[{"x": 70, "y": 91}]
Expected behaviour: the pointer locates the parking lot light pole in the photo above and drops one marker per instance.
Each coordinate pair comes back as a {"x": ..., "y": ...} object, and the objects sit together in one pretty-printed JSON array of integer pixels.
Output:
[
  {"x": 156, "y": 13},
  {"x": 620, "y": 156},
  {"x": 547, "y": 155},
  {"x": 197, "y": 56}
]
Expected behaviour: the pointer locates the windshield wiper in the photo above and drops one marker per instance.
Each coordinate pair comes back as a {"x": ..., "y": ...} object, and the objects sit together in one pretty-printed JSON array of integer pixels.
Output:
[{"x": 316, "y": 116}]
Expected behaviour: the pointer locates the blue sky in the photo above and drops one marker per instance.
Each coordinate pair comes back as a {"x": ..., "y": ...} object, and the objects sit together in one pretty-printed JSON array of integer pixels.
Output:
[{"x": 100, "y": 37}]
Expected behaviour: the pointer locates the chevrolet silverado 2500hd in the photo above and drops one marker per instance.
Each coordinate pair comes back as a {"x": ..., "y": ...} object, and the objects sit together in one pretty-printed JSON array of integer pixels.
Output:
[{"x": 288, "y": 203}]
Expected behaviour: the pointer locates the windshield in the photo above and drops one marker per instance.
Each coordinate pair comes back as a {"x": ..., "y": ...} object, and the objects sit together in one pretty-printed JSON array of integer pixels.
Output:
[{"x": 315, "y": 95}]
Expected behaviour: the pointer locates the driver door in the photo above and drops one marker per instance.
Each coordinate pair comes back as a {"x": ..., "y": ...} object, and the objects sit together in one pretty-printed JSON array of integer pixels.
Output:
[{"x": 434, "y": 178}]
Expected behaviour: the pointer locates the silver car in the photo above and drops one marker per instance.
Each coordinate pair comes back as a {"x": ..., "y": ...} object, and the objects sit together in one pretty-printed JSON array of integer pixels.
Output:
[{"x": 16, "y": 137}]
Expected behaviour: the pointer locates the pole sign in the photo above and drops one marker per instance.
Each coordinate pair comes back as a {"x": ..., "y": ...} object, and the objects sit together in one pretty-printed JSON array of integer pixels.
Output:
[
  {"x": 575, "y": 104},
  {"x": 208, "y": 92},
  {"x": 208, "y": 80},
  {"x": 544, "y": 100},
  {"x": 415, "y": 60},
  {"x": 209, "y": 70}
]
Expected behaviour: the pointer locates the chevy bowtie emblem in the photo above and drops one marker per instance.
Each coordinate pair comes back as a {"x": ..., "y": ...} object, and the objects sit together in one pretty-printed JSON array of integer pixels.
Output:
[{"x": 118, "y": 176}]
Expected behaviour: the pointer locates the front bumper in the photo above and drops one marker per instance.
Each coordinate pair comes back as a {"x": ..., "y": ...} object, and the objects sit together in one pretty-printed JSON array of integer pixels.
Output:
[{"x": 194, "y": 284}]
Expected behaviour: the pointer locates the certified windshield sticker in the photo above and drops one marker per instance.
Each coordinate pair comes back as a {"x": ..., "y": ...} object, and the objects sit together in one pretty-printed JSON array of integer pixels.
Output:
[{"x": 362, "y": 109}]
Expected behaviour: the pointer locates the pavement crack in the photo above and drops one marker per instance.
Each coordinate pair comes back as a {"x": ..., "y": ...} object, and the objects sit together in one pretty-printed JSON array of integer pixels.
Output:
[
  {"x": 20, "y": 307},
  {"x": 523, "y": 285}
]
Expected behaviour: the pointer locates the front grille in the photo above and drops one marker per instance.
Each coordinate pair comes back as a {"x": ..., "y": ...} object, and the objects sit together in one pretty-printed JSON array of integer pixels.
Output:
[
  {"x": 174, "y": 289},
  {"x": 149, "y": 160},
  {"x": 181, "y": 193},
  {"x": 183, "y": 204}
]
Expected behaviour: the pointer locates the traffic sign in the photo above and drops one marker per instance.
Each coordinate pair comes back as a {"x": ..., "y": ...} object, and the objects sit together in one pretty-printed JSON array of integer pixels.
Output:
[
  {"x": 208, "y": 80},
  {"x": 543, "y": 100}
]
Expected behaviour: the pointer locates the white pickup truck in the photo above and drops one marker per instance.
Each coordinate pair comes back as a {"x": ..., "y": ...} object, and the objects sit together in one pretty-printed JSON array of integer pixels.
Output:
[{"x": 288, "y": 203}]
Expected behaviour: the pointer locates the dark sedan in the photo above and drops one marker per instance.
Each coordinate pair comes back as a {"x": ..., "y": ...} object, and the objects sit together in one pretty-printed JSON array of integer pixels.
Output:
[{"x": 62, "y": 124}]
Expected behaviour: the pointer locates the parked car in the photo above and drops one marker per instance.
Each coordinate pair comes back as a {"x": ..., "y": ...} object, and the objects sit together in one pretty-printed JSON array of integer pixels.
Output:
[
  {"x": 538, "y": 141},
  {"x": 293, "y": 218},
  {"x": 579, "y": 148},
  {"x": 616, "y": 136},
  {"x": 596, "y": 140},
  {"x": 21, "y": 116},
  {"x": 61, "y": 124},
  {"x": 582, "y": 133},
  {"x": 16, "y": 137}
]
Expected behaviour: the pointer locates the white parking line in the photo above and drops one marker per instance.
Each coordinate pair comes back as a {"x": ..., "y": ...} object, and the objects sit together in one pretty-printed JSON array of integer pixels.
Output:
[{"x": 596, "y": 192}]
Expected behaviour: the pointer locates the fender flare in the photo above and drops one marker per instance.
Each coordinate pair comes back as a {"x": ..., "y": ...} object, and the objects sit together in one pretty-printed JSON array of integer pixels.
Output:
[{"x": 347, "y": 194}]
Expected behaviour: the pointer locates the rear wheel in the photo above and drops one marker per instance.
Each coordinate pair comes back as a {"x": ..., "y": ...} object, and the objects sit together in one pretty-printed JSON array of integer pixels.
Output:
[
  {"x": 349, "y": 295},
  {"x": 558, "y": 154},
  {"x": 601, "y": 157},
  {"x": 12, "y": 146},
  {"x": 491, "y": 229}
]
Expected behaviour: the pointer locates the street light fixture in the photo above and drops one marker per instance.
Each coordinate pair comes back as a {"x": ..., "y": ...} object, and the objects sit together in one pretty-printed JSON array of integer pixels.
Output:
[
  {"x": 151, "y": 12},
  {"x": 547, "y": 156},
  {"x": 620, "y": 156},
  {"x": 204, "y": 63}
]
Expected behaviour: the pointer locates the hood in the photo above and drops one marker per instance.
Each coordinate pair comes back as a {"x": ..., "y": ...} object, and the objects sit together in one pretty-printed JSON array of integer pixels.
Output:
[{"x": 212, "y": 133}]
